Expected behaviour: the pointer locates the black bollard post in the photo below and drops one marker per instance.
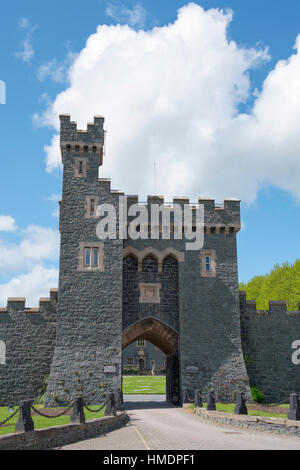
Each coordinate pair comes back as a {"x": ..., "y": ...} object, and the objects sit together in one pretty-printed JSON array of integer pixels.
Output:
[
  {"x": 25, "y": 422},
  {"x": 118, "y": 400},
  {"x": 240, "y": 407},
  {"x": 198, "y": 398},
  {"x": 294, "y": 411},
  {"x": 110, "y": 409},
  {"x": 211, "y": 401},
  {"x": 78, "y": 415},
  {"x": 186, "y": 398}
]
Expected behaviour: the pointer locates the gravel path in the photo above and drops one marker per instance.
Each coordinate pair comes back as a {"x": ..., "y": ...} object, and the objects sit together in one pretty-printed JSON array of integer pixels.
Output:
[{"x": 155, "y": 426}]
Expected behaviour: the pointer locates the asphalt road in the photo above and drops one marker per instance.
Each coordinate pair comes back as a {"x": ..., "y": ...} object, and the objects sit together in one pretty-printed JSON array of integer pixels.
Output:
[{"x": 156, "y": 426}]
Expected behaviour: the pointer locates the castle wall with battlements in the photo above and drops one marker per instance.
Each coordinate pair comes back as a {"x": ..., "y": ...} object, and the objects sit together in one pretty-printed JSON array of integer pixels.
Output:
[
  {"x": 145, "y": 287},
  {"x": 28, "y": 336},
  {"x": 271, "y": 339}
]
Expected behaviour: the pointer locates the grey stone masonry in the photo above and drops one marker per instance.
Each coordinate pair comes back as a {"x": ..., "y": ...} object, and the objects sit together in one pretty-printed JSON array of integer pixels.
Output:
[
  {"x": 269, "y": 338},
  {"x": 29, "y": 338},
  {"x": 115, "y": 291},
  {"x": 88, "y": 341},
  {"x": 96, "y": 305}
]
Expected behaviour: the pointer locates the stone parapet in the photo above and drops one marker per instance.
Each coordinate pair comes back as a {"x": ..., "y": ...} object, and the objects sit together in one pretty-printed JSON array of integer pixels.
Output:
[
  {"x": 257, "y": 423},
  {"x": 58, "y": 436}
]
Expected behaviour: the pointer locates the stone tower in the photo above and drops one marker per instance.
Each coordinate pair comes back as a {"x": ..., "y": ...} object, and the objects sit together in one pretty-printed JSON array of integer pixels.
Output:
[
  {"x": 89, "y": 330},
  {"x": 115, "y": 291}
]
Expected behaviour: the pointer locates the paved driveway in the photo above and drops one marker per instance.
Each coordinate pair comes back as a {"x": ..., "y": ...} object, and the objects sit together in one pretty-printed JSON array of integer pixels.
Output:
[{"x": 156, "y": 426}]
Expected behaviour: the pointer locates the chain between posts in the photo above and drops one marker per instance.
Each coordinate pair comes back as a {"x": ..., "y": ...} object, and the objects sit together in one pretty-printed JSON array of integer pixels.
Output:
[
  {"x": 10, "y": 416},
  {"x": 273, "y": 404},
  {"x": 95, "y": 411},
  {"x": 188, "y": 395},
  {"x": 52, "y": 416}
]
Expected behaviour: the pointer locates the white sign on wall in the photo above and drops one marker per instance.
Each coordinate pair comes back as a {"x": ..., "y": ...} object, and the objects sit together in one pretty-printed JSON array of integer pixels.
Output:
[
  {"x": 296, "y": 354},
  {"x": 110, "y": 369},
  {"x": 192, "y": 369},
  {"x": 2, "y": 352}
]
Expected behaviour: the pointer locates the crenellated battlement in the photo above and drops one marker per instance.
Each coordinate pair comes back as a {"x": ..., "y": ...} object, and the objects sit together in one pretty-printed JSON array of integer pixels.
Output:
[
  {"x": 218, "y": 218},
  {"x": 27, "y": 336},
  {"x": 79, "y": 142},
  {"x": 276, "y": 307},
  {"x": 270, "y": 340},
  {"x": 18, "y": 303}
]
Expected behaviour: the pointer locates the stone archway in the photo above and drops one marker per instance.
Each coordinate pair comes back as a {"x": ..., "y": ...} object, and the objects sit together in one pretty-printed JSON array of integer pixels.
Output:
[
  {"x": 155, "y": 331},
  {"x": 166, "y": 339}
]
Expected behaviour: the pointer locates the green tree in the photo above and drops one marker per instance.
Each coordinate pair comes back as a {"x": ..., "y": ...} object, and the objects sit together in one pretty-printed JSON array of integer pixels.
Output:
[{"x": 282, "y": 283}]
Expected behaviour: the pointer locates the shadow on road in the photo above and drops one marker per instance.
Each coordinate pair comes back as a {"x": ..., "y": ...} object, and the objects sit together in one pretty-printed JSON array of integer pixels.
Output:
[{"x": 143, "y": 402}]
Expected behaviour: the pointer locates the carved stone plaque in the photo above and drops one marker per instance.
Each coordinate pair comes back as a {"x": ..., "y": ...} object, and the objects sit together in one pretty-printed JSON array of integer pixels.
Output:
[
  {"x": 192, "y": 369},
  {"x": 149, "y": 293},
  {"x": 110, "y": 369}
]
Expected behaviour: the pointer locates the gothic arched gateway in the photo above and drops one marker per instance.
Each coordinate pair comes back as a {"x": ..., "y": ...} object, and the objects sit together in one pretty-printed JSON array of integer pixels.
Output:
[{"x": 164, "y": 338}]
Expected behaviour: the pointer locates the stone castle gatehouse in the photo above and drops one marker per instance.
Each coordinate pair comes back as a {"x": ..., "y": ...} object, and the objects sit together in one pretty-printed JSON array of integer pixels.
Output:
[{"x": 113, "y": 292}]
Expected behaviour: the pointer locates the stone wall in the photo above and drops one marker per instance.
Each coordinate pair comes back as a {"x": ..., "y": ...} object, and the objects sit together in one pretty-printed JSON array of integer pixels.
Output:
[
  {"x": 167, "y": 309},
  {"x": 210, "y": 342},
  {"x": 58, "y": 436},
  {"x": 252, "y": 423},
  {"x": 267, "y": 338},
  {"x": 203, "y": 310},
  {"x": 29, "y": 338}
]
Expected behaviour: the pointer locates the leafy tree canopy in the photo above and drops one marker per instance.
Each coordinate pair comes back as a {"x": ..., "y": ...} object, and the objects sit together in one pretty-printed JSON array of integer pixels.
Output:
[{"x": 282, "y": 283}]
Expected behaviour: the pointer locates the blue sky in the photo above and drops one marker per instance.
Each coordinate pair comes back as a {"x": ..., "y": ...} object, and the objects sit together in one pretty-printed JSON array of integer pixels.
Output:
[{"x": 41, "y": 42}]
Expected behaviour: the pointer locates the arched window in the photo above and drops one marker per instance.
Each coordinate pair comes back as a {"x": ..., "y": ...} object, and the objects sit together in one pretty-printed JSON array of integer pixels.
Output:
[{"x": 2, "y": 352}]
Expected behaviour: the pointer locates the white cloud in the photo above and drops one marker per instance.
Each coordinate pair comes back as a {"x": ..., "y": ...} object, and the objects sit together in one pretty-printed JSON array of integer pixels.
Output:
[
  {"x": 171, "y": 96},
  {"x": 7, "y": 223},
  {"x": 55, "y": 213},
  {"x": 54, "y": 197},
  {"x": 32, "y": 285},
  {"x": 120, "y": 13},
  {"x": 51, "y": 69},
  {"x": 38, "y": 244},
  {"x": 55, "y": 70},
  {"x": 53, "y": 159},
  {"x": 26, "y": 52},
  {"x": 24, "y": 23}
]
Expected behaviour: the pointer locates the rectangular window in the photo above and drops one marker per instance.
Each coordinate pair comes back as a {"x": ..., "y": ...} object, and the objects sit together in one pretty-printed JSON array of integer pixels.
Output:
[
  {"x": 80, "y": 167},
  {"x": 207, "y": 264},
  {"x": 87, "y": 257},
  {"x": 140, "y": 342},
  {"x": 92, "y": 206},
  {"x": 95, "y": 258},
  {"x": 129, "y": 360},
  {"x": 91, "y": 256}
]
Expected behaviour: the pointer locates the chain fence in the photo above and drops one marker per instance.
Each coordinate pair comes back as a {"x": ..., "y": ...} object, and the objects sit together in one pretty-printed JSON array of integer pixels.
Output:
[
  {"x": 284, "y": 402},
  {"x": 95, "y": 411},
  {"x": 188, "y": 396},
  {"x": 52, "y": 416},
  {"x": 10, "y": 417}
]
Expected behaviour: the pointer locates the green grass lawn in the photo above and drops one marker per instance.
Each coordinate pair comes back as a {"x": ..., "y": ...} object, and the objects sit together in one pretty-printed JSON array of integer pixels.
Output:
[
  {"x": 229, "y": 408},
  {"x": 40, "y": 422},
  {"x": 144, "y": 384}
]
